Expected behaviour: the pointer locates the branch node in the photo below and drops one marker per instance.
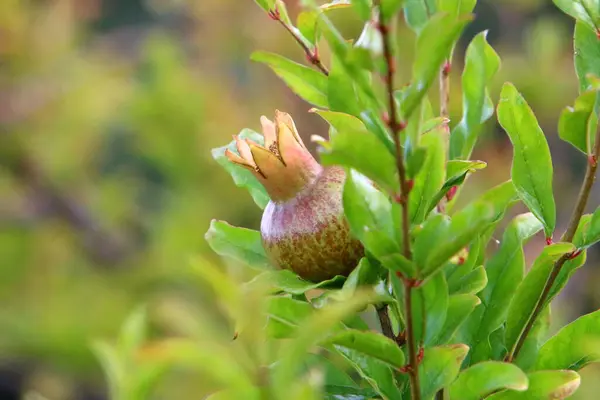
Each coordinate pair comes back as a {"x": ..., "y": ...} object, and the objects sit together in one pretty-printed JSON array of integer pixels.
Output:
[{"x": 549, "y": 241}]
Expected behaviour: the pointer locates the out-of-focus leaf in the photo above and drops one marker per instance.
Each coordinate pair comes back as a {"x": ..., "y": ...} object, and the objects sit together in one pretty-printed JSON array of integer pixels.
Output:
[
  {"x": 465, "y": 226},
  {"x": 430, "y": 178},
  {"x": 482, "y": 379},
  {"x": 567, "y": 349},
  {"x": 440, "y": 367},
  {"x": 133, "y": 333},
  {"x": 587, "y": 54},
  {"x": 372, "y": 344},
  {"x": 306, "y": 23},
  {"x": 112, "y": 366},
  {"x": 586, "y": 11},
  {"x": 529, "y": 291},
  {"x": 307, "y": 83},
  {"x": 241, "y": 244},
  {"x": 459, "y": 308},
  {"x": 505, "y": 269},
  {"x": 433, "y": 46},
  {"x": 416, "y": 14},
  {"x": 363, "y": 8},
  {"x": 577, "y": 125},
  {"x": 289, "y": 282},
  {"x": 456, "y": 168},
  {"x": 241, "y": 176},
  {"x": 364, "y": 153},
  {"x": 314, "y": 329},
  {"x": 556, "y": 385},
  {"x": 285, "y": 314},
  {"x": 455, "y": 7},
  {"x": 389, "y": 8},
  {"x": 266, "y": 5},
  {"x": 532, "y": 165},
  {"x": 481, "y": 64}
]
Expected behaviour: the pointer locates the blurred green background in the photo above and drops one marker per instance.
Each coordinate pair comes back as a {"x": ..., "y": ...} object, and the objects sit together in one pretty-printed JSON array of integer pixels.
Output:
[{"x": 108, "y": 112}]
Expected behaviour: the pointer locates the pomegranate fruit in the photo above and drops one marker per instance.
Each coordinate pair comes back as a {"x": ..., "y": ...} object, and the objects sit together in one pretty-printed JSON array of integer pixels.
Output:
[{"x": 303, "y": 227}]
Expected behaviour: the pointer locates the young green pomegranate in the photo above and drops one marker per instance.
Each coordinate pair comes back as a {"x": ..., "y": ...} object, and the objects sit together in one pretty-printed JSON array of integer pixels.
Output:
[{"x": 303, "y": 227}]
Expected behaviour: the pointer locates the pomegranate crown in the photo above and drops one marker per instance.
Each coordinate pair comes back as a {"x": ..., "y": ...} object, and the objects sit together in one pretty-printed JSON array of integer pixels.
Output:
[{"x": 284, "y": 166}]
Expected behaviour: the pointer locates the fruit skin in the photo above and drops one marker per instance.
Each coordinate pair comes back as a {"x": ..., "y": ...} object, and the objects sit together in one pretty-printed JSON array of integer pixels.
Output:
[{"x": 309, "y": 234}]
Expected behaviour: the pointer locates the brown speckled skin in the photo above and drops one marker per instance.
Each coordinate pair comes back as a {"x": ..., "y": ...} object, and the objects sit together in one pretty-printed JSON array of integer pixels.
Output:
[{"x": 309, "y": 234}]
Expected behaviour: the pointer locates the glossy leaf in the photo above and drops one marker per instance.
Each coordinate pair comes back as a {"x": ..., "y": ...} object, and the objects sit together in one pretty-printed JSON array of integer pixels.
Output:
[
  {"x": 430, "y": 306},
  {"x": 587, "y": 54},
  {"x": 460, "y": 306},
  {"x": 586, "y": 11},
  {"x": 243, "y": 245},
  {"x": 471, "y": 283},
  {"x": 532, "y": 165},
  {"x": 342, "y": 94},
  {"x": 533, "y": 342},
  {"x": 568, "y": 348},
  {"x": 505, "y": 270},
  {"x": 482, "y": 379},
  {"x": 556, "y": 385},
  {"x": 364, "y": 153},
  {"x": 429, "y": 180},
  {"x": 434, "y": 44},
  {"x": 464, "y": 227},
  {"x": 439, "y": 367},
  {"x": 481, "y": 64},
  {"x": 241, "y": 176},
  {"x": 577, "y": 125},
  {"x": 372, "y": 344},
  {"x": 432, "y": 234},
  {"x": 529, "y": 291},
  {"x": 376, "y": 126},
  {"x": 307, "y": 83},
  {"x": 365, "y": 273}
]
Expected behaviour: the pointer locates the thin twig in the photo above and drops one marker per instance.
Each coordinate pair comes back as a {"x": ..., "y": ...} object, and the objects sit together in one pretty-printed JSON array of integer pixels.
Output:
[
  {"x": 396, "y": 126},
  {"x": 311, "y": 55},
  {"x": 386, "y": 323},
  {"x": 445, "y": 89},
  {"x": 584, "y": 194}
]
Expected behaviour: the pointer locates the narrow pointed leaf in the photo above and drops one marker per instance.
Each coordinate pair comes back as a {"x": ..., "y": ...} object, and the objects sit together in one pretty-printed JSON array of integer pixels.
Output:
[
  {"x": 532, "y": 165},
  {"x": 529, "y": 291},
  {"x": 307, "y": 83}
]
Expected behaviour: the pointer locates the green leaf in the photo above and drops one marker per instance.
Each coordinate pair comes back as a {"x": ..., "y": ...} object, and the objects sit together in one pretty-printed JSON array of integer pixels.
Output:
[
  {"x": 433, "y": 46},
  {"x": 289, "y": 282},
  {"x": 334, "y": 375},
  {"x": 342, "y": 95},
  {"x": 485, "y": 378},
  {"x": 430, "y": 178},
  {"x": 465, "y": 226},
  {"x": 133, "y": 333},
  {"x": 366, "y": 154},
  {"x": 266, "y": 5},
  {"x": 577, "y": 125},
  {"x": 376, "y": 373},
  {"x": 339, "y": 121},
  {"x": 554, "y": 385},
  {"x": 456, "y": 168},
  {"x": 363, "y": 8},
  {"x": 285, "y": 314},
  {"x": 471, "y": 283},
  {"x": 587, "y": 54},
  {"x": 440, "y": 367},
  {"x": 364, "y": 274},
  {"x": 307, "y": 83},
  {"x": 372, "y": 344},
  {"x": 588, "y": 231},
  {"x": 459, "y": 308},
  {"x": 241, "y": 176},
  {"x": 529, "y": 291},
  {"x": 456, "y": 7},
  {"x": 533, "y": 342},
  {"x": 567, "y": 349},
  {"x": 505, "y": 269},
  {"x": 430, "y": 306},
  {"x": 112, "y": 366},
  {"x": 306, "y": 23},
  {"x": 309, "y": 333},
  {"x": 532, "y": 165},
  {"x": 430, "y": 236},
  {"x": 396, "y": 262},
  {"x": 416, "y": 14},
  {"x": 376, "y": 126},
  {"x": 241, "y": 244},
  {"x": 481, "y": 64},
  {"x": 389, "y": 8},
  {"x": 586, "y": 11},
  {"x": 567, "y": 270}
]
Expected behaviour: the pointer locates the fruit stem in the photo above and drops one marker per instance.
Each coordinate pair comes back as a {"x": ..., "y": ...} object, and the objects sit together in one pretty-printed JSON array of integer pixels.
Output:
[
  {"x": 584, "y": 194},
  {"x": 396, "y": 126}
]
